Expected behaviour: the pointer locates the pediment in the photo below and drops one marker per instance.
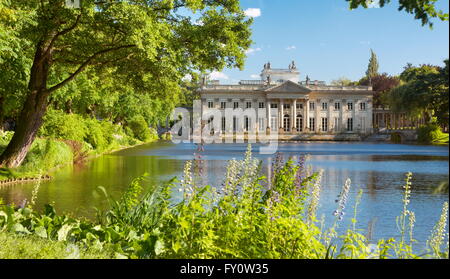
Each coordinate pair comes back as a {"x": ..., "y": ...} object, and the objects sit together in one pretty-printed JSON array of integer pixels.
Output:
[{"x": 288, "y": 87}]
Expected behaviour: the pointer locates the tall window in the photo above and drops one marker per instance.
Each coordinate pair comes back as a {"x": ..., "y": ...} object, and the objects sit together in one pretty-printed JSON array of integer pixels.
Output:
[
  {"x": 210, "y": 104},
  {"x": 350, "y": 124},
  {"x": 299, "y": 123},
  {"x": 249, "y": 105},
  {"x": 324, "y": 124},
  {"x": 362, "y": 106},
  {"x": 223, "y": 105},
  {"x": 274, "y": 123},
  {"x": 299, "y": 106},
  {"x": 286, "y": 106},
  {"x": 324, "y": 106},
  {"x": 262, "y": 105},
  {"x": 336, "y": 124},
  {"x": 246, "y": 123},
  {"x": 311, "y": 106},
  {"x": 274, "y": 106},
  {"x": 337, "y": 106},
  {"x": 261, "y": 122},
  {"x": 223, "y": 125},
  {"x": 236, "y": 105},
  {"x": 312, "y": 124},
  {"x": 350, "y": 106}
]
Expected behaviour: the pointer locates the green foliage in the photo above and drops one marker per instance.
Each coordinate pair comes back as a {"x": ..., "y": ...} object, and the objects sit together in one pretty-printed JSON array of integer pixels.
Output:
[
  {"x": 44, "y": 154},
  {"x": 238, "y": 219},
  {"x": 424, "y": 10},
  {"x": 139, "y": 128},
  {"x": 424, "y": 92},
  {"x": 431, "y": 133},
  {"x": 372, "y": 69},
  {"x": 35, "y": 247}
]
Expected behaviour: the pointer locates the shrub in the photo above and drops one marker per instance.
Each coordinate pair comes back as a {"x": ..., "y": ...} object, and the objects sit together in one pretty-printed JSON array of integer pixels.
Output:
[
  {"x": 139, "y": 128},
  {"x": 431, "y": 133},
  {"x": 60, "y": 125}
]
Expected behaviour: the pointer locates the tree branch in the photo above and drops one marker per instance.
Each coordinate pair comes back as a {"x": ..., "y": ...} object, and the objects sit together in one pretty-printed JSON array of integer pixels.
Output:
[{"x": 84, "y": 65}]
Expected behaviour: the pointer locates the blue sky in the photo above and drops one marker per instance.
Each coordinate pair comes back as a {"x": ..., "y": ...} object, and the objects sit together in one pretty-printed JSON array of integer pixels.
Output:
[{"x": 329, "y": 41}]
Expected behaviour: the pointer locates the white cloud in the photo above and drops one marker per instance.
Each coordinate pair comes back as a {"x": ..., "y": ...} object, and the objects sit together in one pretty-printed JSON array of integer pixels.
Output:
[
  {"x": 253, "y": 12},
  {"x": 291, "y": 48},
  {"x": 255, "y": 76},
  {"x": 252, "y": 50},
  {"x": 217, "y": 75}
]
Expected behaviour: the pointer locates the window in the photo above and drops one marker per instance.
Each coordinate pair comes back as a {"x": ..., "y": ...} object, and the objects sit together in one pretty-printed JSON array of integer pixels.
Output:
[
  {"x": 324, "y": 124},
  {"x": 236, "y": 105},
  {"x": 262, "y": 105},
  {"x": 274, "y": 123},
  {"x": 286, "y": 106},
  {"x": 362, "y": 106},
  {"x": 312, "y": 124},
  {"x": 299, "y": 106},
  {"x": 299, "y": 123},
  {"x": 246, "y": 123},
  {"x": 350, "y": 106},
  {"x": 261, "y": 124},
  {"x": 274, "y": 106},
  {"x": 350, "y": 124},
  {"x": 311, "y": 106},
  {"x": 324, "y": 106},
  {"x": 210, "y": 104},
  {"x": 223, "y": 105},
  {"x": 336, "y": 124},
  {"x": 249, "y": 105},
  {"x": 223, "y": 124},
  {"x": 337, "y": 106}
]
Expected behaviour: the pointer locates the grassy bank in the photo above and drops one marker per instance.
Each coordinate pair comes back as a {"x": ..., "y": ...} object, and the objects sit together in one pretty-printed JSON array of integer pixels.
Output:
[
  {"x": 237, "y": 219},
  {"x": 67, "y": 138},
  {"x": 15, "y": 246}
]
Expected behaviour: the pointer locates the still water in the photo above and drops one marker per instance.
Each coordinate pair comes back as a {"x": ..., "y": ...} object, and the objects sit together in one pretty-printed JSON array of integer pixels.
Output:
[{"x": 377, "y": 169}]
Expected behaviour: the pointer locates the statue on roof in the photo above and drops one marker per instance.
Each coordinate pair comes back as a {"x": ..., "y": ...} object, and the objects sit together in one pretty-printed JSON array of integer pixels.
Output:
[
  {"x": 307, "y": 80},
  {"x": 268, "y": 65},
  {"x": 293, "y": 67}
]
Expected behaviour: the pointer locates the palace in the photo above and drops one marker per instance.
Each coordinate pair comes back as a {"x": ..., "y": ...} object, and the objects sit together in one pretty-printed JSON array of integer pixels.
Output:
[{"x": 286, "y": 105}]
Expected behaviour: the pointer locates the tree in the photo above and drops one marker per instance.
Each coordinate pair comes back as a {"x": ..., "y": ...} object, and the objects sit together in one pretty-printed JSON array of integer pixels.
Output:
[
  {"x": 425, "y": 91},
  {"x": 147, "y": 44},
  {"x": 372, "y": 69},
  {"x": 381, "y": 85},
  {"x": 342, "y": 81},
  {"x": 423, "y": 10}
]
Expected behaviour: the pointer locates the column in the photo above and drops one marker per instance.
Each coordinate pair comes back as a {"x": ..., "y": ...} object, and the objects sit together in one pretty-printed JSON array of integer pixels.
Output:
[
  {"x": 294, "y": 116},
  {"x": 329, "y": 116},
  {"x": 269, "y": 124},
  {"x": 281, "y": 118},
  {"x": 306, "y": 116},
  {"x": 317, "y": 121}
]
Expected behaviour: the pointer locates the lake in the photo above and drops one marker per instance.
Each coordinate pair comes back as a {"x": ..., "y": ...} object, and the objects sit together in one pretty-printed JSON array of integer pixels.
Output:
[{"x": 378, "y": 169}]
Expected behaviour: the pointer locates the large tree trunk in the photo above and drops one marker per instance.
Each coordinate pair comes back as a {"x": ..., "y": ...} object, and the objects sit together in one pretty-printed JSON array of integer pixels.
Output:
[{"x": 30, "y": 119}]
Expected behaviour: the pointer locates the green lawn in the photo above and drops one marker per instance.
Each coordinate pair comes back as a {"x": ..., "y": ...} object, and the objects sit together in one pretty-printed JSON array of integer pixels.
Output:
[{"x": 13, "y": 246}]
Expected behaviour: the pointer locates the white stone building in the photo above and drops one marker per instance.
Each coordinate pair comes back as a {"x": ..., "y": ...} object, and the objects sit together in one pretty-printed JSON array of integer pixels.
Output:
[{"x": 284, "y": 104}]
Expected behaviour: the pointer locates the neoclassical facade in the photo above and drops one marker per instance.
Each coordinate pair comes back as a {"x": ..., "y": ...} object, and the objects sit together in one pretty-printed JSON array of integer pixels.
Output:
[{"x": 285, "y": 104}]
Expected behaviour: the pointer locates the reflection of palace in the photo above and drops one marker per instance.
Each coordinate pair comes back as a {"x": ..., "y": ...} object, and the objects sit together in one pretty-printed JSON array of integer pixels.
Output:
[{"x": 291, "y": 106}]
